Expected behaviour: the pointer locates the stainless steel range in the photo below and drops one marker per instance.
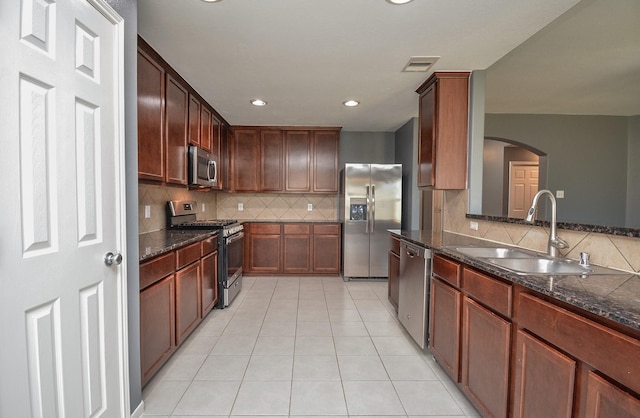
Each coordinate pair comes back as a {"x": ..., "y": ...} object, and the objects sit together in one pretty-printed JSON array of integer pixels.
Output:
[{"x": 182, "y": 215}]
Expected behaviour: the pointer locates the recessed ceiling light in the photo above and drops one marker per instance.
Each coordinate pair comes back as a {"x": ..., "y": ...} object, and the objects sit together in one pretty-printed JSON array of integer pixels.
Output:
[
  {"x": 258, "y": 102},
  {"x": 398, "y": 1},
  {"x": 351, "y": 103},
  {"x": 211, "y": 1}
]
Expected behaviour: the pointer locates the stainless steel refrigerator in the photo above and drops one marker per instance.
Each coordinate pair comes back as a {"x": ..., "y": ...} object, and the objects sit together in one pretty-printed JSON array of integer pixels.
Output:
[{"x": 370, "y": 203}]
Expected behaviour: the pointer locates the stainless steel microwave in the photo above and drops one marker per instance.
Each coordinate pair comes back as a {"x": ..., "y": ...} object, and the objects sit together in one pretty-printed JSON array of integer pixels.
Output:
[{"x": 203, "y": 170}]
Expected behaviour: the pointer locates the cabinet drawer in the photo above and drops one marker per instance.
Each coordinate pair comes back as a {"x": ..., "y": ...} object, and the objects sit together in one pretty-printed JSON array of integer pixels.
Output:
[
  {"x": 608, "y": 351},
  {"x": 447, "y": 270},
  {"x": 489, "y": 291},
  {"x": 331, "y": 229},
  {"x": 394, "y": 245},
  {"x": 297, "y": 229},
  {"x": 156, "y": 269},
  {"x": 187, "y": 255},
  {"x": 267, "y": 229},
  {"x": 209, "y": 245}
]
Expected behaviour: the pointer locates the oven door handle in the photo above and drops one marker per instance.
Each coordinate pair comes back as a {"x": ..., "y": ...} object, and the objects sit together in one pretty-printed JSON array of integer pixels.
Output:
[{"x": 235, "y": 237}]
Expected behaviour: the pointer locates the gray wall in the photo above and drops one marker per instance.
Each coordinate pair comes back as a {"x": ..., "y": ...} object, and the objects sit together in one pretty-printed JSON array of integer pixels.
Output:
[
  {"x": 128, "y": 9},
  {"x": 587, "y": 158},
  {"x": 367, "y": 147},
  {"x": 633, "y": 182},
  {"x": 406, "y": 151}
]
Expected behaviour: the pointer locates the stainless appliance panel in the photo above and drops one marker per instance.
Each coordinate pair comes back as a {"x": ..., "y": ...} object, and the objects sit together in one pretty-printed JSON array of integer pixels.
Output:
[
  {"x": 370, "y": 203},
  {"x": 386, "y": 192},
  {"x": 413, "y": 298}
]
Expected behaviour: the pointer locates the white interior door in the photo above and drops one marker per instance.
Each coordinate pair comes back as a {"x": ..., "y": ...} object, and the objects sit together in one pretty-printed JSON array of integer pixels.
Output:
[
  {"x": 523, "y": 185},
  {"x": 62, "y": 310}
]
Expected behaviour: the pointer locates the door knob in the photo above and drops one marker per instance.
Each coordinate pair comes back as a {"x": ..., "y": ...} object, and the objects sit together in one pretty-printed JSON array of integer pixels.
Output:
[{"x": 111, "y": 259}]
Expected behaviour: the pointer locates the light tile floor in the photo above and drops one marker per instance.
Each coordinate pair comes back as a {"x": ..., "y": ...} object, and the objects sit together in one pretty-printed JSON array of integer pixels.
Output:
[{"x": 303, "y": 346}]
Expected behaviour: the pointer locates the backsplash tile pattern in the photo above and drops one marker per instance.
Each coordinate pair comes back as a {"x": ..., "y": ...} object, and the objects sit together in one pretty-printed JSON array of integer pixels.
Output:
[
  {"x": 158, "y": 196},
  {"x": 613, "y": 251},
  {"x": 221, "y": 205},
  {"x": 278, "y": 206}
]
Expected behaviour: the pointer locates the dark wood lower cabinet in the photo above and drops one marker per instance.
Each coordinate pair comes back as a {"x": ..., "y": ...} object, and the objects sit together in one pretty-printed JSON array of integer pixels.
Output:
[
  {"x": 187, "y": 300},
  {"x": 326, "y": 249},
  {"x": 606, "y": 400},
  {"x": 394, "y": 279},
  {"x": 444, "y": 340},
  {"x": 292, "y": 248},
  {"x": 537, "y": 365},
  {"x": 263, "y": 249},
  {"x": 209, "y": 282},
  {"x": 486, "y": 345},
  {"x": 157, "y": 326}
]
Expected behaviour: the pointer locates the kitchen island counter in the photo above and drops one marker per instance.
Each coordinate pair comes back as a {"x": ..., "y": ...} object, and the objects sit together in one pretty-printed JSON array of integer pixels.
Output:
[{"x": 613, "y": 297}]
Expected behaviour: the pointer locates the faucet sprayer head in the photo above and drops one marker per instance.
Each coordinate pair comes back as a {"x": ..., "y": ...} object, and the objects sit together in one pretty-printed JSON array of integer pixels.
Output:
[{"x": 530, "y": 214}]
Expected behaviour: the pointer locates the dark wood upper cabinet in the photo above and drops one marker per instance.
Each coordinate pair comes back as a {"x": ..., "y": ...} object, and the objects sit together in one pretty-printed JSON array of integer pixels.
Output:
[
  {"x": 443, "y": 115},
  {"x": 171, "y": 116},
  {"x": 150, "y": 117},
  {"x": 325, "y": 161},
  {"x": 271, "y": 160},
  {"x": 245, "y": 160},
  {"x": 177, "y": 107},
  {"x": 194, "y": 120},
  {"x": 297, "y": 146},
  {"x": 206, "y": 128}
]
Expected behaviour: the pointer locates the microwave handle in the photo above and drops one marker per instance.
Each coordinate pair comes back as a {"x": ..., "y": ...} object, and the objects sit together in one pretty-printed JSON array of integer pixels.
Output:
[{"x": 211, "y": 164}]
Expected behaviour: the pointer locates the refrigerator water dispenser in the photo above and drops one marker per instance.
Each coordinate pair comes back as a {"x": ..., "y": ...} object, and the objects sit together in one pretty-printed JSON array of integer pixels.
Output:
[{"x": 358, "y": 209}]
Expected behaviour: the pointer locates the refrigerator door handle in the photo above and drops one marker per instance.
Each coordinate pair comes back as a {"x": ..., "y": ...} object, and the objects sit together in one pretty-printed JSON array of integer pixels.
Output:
[
  {"x": 373, "y": 208},
  {"x": 366, "y": 225}
]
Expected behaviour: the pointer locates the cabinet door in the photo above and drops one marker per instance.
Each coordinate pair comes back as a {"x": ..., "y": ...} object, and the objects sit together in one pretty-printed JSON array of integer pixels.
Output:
[
  {"x": 176, "y": 118},
  {"x": 157, "y": 326},
  {"x": 297, "y": 161},
  {"x": 325, "y": 161},
  {"x": 296, "y": 251},
  {"x": 444, "y": 339},
  {"x": 271, "y": 160},
  {"x": 265, "y": 253},
  {"x": 151, "y": 90},
  {"x": 394, "y": 279},
  {"x": 194, "y": 120},
  {"x": 206, "y": 129},
  {"x": 605, "y": 400},
  {"x": 246, "y": 160},
  {"x": 209, "y": 282},
  {"x": 536, "y": 365},
  {"x": 219, "y": 148},
  {"x": 326, "y": 249},
  {"x": 427, "y": 132},
  {"x": 187, "y": 301},
  {"x": 485, "y": 358}
]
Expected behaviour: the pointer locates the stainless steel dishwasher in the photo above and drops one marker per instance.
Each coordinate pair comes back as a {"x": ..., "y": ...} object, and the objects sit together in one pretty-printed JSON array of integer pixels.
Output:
[{"x": 413, "y": 301}]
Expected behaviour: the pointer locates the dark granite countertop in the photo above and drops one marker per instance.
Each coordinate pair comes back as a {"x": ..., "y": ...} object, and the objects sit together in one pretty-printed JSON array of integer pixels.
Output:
[
  {"x": 156, "y": 243},
  {"x": 612, "y": 296}
]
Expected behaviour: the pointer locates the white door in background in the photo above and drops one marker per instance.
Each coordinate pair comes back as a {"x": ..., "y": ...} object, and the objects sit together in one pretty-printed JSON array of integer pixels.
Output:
[
  {"x": 523, "y": 185},
  {"x": 62, "y": 310}
]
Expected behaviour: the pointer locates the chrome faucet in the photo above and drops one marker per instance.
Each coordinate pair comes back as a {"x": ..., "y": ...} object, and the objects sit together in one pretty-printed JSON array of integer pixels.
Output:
[{"x": 555, "y": 242}]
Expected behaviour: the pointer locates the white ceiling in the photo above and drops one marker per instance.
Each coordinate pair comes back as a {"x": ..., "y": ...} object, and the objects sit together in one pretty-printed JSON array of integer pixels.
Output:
[{"x": 305, "y": 57}]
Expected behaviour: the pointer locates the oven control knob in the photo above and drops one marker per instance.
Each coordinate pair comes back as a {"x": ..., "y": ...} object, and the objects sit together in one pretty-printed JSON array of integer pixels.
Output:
[{"x": 111, "y": 259}]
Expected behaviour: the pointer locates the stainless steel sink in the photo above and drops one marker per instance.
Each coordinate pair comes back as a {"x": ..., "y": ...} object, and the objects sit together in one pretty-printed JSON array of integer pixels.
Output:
[
  {"x": 493, "y": 252},
  {"x": 540, "y": 265}
]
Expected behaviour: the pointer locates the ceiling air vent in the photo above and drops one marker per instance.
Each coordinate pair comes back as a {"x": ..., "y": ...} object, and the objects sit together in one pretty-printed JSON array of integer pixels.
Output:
[{"x": 419, "y": 64}]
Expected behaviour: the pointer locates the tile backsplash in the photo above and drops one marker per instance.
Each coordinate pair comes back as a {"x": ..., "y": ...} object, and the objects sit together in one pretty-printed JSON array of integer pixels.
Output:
[
  {"x": 613, "y": 251},
  {"x": 221, "y": 205},
  {"x": 156, "y": 197},
  {"x": 278, "y": 206}
]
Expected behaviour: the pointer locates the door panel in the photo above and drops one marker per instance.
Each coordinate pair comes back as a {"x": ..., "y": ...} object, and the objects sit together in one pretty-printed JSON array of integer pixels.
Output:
[
  {"x": 386, "y": 186},
  {"x": 355, "y": 232},
  {"x": 61, "y": 307}
]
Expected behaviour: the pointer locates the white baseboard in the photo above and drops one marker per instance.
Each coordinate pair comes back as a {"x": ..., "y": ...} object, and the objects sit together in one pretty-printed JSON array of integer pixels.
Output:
[{"x": 139, "y": 411}]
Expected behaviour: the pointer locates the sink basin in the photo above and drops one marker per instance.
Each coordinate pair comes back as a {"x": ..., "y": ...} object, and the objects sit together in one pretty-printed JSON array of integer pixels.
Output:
[
  {"x": 493, "y": 252},
  {"x": 540, "y": 265}
]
